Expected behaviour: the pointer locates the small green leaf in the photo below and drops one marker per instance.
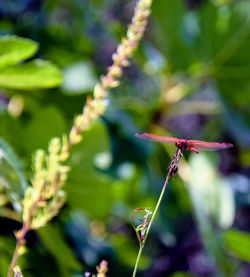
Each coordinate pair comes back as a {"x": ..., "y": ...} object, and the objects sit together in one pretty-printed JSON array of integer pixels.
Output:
[
  {"x": 12, "y": 177},
  {"x": 54, "y": 241},
  {"x": 37, "y": 74},
  {"x": 14, "y": 49},
  {"x": 238, "y": 243}
]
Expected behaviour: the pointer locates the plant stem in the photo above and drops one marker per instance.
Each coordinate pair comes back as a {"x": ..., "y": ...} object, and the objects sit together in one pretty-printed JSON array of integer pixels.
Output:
[
  {"x": 173, "y": 167},
  {"x": 137, "y": 260},
  {"x": 20, "y": 236},
  {"x": 14, "y": 259},
  {"x": 149, "y": 226},
  {"x": 19, "y": 242},
  {"x": 157, "y": 206}
]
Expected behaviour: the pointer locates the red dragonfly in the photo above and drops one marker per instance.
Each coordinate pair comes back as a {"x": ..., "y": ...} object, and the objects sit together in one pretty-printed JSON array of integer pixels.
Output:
[{"x": 183, "y": 144}]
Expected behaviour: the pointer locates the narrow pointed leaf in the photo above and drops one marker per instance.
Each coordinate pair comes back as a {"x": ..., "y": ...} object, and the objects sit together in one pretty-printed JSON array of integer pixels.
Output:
[{"x": 12, "y": 178}]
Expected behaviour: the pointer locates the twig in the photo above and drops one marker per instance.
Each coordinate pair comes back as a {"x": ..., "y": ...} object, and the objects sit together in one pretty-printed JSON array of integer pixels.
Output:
[
  {"x": 173, "y": 168},
  {"x": 20, "y": 238}
]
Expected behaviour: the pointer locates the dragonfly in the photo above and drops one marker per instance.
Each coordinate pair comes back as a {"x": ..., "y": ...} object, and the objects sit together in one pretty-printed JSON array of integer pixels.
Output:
[{"x": 183, "y": 144}]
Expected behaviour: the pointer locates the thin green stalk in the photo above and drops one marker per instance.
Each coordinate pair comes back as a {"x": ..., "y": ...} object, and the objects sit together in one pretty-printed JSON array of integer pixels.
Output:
[
  {"x": 138, "y": 259},
  {"x": 149, "y": 226},
  {"x": 157, "y": 206},
  {"x": 173, "y": 167}
]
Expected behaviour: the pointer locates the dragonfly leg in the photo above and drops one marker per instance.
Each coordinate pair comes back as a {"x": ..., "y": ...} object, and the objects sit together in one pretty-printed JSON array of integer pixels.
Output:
[{"x": 194, "y": 150}]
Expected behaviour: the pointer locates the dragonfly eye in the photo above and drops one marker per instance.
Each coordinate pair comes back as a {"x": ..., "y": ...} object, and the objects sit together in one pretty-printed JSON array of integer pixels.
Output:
[
  {"x": 179, "y": 144},
  {"x": 182, "y": 145}
]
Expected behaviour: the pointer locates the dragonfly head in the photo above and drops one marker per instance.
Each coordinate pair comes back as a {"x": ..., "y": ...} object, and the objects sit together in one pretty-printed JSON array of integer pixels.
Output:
[{"x": 182, "y": 144}]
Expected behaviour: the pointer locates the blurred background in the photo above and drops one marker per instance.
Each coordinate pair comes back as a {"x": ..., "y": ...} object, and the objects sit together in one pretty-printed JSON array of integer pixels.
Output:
[{"x": 188, "y": 79}]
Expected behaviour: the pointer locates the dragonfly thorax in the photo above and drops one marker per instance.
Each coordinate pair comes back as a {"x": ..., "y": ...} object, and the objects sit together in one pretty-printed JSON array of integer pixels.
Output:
[{"x": 182, "y": 144}]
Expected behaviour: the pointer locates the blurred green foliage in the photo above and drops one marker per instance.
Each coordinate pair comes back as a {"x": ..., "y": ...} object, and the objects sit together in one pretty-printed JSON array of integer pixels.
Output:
[
  {"x": 189, "y": 78},
  {"x": 237, "y": 243}
]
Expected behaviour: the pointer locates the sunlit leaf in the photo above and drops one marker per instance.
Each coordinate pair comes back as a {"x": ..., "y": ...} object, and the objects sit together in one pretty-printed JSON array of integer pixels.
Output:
[
  {"x": 14, "y": 49},
  {"x": 238, "y": 243},
  {"x": 37, "y": 74}
]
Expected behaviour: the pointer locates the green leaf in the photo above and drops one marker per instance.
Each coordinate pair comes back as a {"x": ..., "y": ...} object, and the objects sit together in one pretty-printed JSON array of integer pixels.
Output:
[
  {"x": 14, "y": 49},
  {"x": 231, "y": 63},
  {"x": 46, "y": 123},
  {"x": 37, "y": 74},
  {"x": 169, "y": 16},
  {"x": 54, "y": 241},
  {"x": 87, "y": 188},
  {"x": 238, "y": 243},
  {"x": 10, "y": 213},
  {"x": 12, "y": 177}
]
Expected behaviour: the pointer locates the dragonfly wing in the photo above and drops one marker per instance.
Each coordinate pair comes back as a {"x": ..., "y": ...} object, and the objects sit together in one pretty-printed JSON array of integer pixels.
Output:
[
  {"x": 208, "y": 146},
  {"x": 148, "y": 136}
]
